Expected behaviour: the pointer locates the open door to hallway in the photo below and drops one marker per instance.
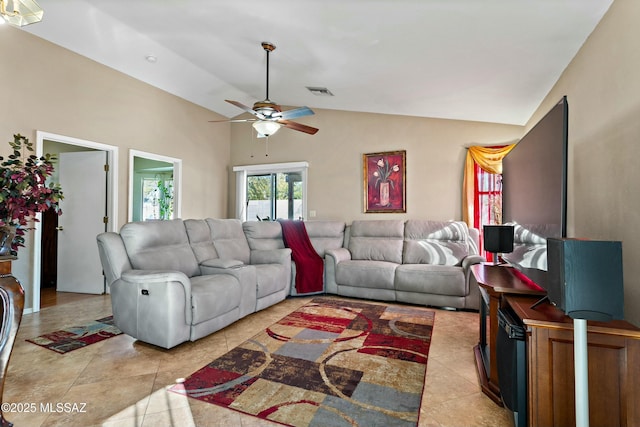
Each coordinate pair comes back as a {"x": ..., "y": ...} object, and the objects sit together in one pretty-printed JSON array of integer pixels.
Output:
[{"x": 69, "y": 258}]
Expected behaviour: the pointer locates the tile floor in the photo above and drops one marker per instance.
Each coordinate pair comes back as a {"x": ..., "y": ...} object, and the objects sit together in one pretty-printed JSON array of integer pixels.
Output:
[{"x": 122, "y": 382}]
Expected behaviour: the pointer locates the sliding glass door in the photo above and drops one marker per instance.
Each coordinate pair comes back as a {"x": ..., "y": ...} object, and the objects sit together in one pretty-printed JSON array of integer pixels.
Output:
[
  {"x": 271, "y": 191},
  {"x": 274, "y": 196}
]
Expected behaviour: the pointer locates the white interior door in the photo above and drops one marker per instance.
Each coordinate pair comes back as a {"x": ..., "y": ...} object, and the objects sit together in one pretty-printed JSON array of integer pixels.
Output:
[{"x": 83, "y": 180}]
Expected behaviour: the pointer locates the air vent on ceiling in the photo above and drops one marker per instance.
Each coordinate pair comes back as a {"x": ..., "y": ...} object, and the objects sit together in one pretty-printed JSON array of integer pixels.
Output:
[{"x": 319, "y": 91}]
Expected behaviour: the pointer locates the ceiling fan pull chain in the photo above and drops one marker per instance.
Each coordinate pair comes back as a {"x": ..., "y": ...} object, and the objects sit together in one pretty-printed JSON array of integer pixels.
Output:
[
  {"x": 266, "y": 147},
  {"x": 252, "y": 140}
]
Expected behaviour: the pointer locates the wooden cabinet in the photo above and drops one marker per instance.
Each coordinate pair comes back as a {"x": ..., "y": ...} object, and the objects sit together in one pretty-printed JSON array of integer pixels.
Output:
[
  {"x": 613, "y": 365},
  {"x": 495, "y": 281}
]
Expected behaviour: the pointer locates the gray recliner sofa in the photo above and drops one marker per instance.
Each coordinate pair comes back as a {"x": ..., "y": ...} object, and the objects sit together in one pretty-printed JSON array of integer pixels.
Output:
[
  {"x": 175, "y": 281},
  {"x": 414, "y": 261}
]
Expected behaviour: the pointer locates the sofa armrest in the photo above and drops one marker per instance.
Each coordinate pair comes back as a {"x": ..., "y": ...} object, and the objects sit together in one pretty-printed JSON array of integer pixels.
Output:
[
  {"x": 332, "y": 257},
  {"x": 271, "y": 256},
  {"x": 338, "y": 255},
  {"x": 470, "y": 260},
  {"x": 159, "y": 281},
  {"x": 113, "y": 256},
  {"x": 156, "y": 276},
  {"x": 471, "y": 288}
]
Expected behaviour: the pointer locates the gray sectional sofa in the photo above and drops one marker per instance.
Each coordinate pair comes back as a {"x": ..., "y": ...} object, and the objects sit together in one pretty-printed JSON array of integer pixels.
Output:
[{"x": 180, "y": 280}]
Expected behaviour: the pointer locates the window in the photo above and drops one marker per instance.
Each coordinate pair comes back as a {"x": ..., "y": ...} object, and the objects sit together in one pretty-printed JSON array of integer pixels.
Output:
[
  {"x": 488, "y": 201},
  {"x": 157, "y": 198},
  {"x": 270, "y": 192},
  {"x": 489, "y": 198},
  {"x": 154, "y": 186}
]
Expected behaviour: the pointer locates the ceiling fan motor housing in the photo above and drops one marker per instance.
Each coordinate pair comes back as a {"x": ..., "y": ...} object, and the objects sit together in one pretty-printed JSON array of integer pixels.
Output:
[
  {"x": 270, "y": 47},
  {"x": 267, "y": 108}
]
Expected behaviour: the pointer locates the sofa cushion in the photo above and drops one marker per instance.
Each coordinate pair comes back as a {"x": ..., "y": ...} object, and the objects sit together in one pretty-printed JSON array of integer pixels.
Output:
[
  {"x": 366, "y": 274},
  {"x": 229, "y": 239},
  {"x": 377, "y": 240},
  {"x": 271, "y": 278},
  {"x": 430, "y": 279},
  {"x": 325, "y": 235},
  {"x": 159, "y": 245},
  {"x": 435, "y": 242},
  {"x": 214, "y": 295},
  {"x": 263, "y": 235},
  {"x": 200, "y": 239}
]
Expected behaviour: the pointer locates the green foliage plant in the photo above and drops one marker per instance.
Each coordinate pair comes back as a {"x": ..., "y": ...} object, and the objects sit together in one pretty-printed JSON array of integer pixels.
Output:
[{"x": 23, "y": 188}]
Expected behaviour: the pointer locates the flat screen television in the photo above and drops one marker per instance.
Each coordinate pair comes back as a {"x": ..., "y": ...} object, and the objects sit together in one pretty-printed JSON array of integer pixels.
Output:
[{"x": 534, "y": 192}]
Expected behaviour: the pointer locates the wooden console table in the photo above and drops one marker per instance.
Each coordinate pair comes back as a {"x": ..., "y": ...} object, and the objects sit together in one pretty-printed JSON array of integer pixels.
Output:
[
  {"x": 495, "y": 281},
  {"x": 12, "y": 305},
  {"x": 614, "y": 367}
]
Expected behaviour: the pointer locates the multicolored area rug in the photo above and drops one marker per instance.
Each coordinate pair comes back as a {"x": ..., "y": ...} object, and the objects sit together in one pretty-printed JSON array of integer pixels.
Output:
[
  {"x": 77, "y": 337},
  {"x": 330, "y": 363}
]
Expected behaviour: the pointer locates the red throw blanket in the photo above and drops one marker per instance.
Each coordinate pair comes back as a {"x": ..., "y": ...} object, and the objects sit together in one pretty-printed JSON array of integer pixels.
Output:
[{"x": 309, "y": 265}]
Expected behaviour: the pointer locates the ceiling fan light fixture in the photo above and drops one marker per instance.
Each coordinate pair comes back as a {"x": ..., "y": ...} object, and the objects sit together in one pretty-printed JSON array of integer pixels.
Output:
[
  {"x": 21, "y": 12},
  {"x": 266, "y": 127}
]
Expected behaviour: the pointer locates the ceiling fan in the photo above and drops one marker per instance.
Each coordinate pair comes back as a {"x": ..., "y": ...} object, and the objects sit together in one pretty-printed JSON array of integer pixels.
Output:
[{"x": 268, "y": 116}]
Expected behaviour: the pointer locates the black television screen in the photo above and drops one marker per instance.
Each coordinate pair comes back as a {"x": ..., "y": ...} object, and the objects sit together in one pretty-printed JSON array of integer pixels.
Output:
[{"x": 534, "y": 192}]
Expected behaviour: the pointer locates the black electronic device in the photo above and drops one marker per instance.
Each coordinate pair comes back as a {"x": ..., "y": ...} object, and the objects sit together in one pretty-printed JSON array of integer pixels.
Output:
[
  {"x": 512, "y": 365},
  {"x": 584, "y": 278},
  {"x": 498, "y": 239},
  {"x": 534, "y": 184},
  {"x": 534, "y": 190}
]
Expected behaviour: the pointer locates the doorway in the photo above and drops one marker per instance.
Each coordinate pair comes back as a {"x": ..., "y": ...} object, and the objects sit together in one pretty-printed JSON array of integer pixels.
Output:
[
  {"x": 44, "y": 239},
  {"x": 154, "y": 186}
]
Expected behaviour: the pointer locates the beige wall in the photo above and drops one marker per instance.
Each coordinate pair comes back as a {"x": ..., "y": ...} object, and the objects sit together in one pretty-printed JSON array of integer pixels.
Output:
[
  {"x": 47, "y": 88},
  {"x": 435, "y": 157},
  {"x": 602, "y": 85}
]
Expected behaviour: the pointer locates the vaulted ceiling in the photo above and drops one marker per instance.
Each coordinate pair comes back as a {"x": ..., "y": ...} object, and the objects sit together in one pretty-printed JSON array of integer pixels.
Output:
[{"x": 484, "y": 60}]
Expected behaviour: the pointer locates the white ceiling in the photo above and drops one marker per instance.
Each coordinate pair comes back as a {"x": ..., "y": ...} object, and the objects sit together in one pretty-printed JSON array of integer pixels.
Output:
[{"x": 484, "y": 60}]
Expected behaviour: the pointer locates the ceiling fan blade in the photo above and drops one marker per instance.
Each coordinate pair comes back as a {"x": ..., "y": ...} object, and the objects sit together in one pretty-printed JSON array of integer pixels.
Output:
[
  {"x": 245, "y": 108},
  {"x": 295, "y": 113},
  {"x": 298, "y": 126},
  {"x": 233, "y": 121}
]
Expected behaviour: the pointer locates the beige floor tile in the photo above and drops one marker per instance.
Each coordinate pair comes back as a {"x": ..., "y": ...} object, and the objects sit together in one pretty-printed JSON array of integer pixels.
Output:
[{"x": 124, "y": 383}]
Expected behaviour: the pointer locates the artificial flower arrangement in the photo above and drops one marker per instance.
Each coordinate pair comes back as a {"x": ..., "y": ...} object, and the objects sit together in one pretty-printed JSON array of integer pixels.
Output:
[{"x": 24, "y": 192}]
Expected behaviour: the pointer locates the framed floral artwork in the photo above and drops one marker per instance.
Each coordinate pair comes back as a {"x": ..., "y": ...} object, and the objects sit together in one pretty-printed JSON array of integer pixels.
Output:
[{"x": 385, "y": 182}]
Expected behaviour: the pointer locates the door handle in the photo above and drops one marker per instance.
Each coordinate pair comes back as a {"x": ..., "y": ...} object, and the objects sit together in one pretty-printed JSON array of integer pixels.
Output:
[{"x": 59, "y": 228}]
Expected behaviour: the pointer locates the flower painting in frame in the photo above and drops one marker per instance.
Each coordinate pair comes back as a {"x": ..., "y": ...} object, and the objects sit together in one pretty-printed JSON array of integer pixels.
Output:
[{"x": 385, "y": 182}]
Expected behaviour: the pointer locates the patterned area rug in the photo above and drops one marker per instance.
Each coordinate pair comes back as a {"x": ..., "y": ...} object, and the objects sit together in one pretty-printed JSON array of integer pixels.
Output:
[
  {"x": 330, "y": 363},
  {"x": 77, "y": 337}
]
